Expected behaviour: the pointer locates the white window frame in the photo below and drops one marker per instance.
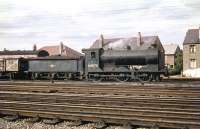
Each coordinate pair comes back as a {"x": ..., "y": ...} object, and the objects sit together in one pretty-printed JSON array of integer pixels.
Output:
[
  {"x": 192, "y": 48},
  {"x": 193, "y": 63}
]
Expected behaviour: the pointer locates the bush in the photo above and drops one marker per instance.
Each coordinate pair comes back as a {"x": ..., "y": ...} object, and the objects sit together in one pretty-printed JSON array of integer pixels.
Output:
[{"x": 173, "y": 71}]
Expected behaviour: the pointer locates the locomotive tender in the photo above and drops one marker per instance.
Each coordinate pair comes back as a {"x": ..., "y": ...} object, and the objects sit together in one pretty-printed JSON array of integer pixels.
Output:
[
  {"x": 121, "y": 59},
  {"x": 56, "y": 67}
]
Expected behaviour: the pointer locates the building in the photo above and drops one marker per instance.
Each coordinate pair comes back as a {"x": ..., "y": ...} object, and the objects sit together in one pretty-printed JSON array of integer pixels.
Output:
[
  {"x": 171, "y": 53},
  {"x": 23, "y": 53},
  {"x": 134, "y": 43},
  {"x": 61, "y": 50},
  {"x": 191, "y": 53},
  {"x": 131, "y": 43}
]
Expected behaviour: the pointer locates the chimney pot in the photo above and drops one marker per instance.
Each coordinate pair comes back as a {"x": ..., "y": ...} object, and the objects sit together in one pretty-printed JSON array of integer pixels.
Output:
[
  {"x": 139, "y": 39},
  {"x": 199, "y": 33},
  {"x": 61, "y": 48},
  {"x": 101, "y": 41},
  {"x": 34, "y": 47}
]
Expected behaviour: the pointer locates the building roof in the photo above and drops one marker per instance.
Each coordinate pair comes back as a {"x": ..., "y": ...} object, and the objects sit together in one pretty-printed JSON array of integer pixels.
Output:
[
  {"x": 192, "y": 36},
  {"x": 66, "y": 51},
  {"x": 123, "y": 43},
  {"x": 170, "y": 49}
]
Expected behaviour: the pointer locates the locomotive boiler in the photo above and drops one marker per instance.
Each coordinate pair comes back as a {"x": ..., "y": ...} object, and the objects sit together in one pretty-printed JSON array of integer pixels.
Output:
[{"x": 131, "y": 58}]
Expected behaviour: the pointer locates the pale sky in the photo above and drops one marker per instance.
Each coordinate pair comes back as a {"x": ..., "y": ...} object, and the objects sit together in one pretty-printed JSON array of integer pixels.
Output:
[{"x": 77, "y": 23}]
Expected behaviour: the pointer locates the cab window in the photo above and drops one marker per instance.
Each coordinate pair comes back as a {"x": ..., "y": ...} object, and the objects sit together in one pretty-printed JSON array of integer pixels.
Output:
[{"x": 93, "y": 54}]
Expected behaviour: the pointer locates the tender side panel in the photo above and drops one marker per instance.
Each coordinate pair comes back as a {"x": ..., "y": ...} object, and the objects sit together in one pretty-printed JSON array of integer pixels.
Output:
[{"x": 53, "y": 66}]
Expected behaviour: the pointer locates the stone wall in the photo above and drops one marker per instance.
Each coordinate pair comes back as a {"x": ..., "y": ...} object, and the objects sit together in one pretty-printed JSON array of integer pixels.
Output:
[{"x": 187, "y": 56}]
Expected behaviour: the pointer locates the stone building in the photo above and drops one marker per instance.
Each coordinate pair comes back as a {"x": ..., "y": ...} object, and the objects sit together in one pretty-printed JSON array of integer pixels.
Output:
[
  {"x": 139, "y": 42},
  {"x": 134, "y": 43},
  {"x": 191, "y": 52},
  {"x": 171, "y": 53}
]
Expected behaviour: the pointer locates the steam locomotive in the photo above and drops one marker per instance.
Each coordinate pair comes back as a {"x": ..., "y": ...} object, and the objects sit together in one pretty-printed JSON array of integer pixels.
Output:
[{"x": 120, "y": 60}]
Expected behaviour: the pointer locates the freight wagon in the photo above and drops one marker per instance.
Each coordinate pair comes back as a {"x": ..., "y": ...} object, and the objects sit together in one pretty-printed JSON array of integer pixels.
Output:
[{"x": 13, "y": 67}]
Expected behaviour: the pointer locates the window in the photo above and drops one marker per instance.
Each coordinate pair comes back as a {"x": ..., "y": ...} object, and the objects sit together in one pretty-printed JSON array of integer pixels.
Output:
[
  {"x": 171, "y": 66},
  {"x": 93, "y": 54},
  {"x": 193, "y": 63},
  {"x": 192, "y": 48}
]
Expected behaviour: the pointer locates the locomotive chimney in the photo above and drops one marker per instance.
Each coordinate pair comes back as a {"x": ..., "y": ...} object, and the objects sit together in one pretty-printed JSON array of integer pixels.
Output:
[
  {"x": 101, "y": 41},
  {"x": 34, "y": 47},
  {"x": 61, "y": 48},
  {"x": 139, "y": 39}
]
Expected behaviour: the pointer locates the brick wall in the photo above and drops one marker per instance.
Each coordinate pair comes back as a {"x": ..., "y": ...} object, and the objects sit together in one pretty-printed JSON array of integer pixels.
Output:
[{"x": 169, "y": 60}]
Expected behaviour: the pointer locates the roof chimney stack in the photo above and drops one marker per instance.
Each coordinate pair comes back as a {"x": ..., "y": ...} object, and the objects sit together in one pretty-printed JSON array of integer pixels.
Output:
[
  {"x": 61, "y": 47},
  {"x": 34, "y": 47},
  {"x": 139, "y": 39},
  {"x": 199, "y": 33},
  {"x": 101, "y": 41}
]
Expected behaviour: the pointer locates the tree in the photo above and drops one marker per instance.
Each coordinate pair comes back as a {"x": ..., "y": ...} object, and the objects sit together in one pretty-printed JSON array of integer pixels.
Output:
[{"x": 178, "y": 62}]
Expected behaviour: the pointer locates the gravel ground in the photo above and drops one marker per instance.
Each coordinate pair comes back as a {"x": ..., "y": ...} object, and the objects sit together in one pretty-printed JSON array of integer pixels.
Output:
[{"x": 23, "y": 124}]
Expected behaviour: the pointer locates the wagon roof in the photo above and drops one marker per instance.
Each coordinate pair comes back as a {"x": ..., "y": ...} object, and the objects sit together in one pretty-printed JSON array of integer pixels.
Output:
[{"x": 19, "y": 52}]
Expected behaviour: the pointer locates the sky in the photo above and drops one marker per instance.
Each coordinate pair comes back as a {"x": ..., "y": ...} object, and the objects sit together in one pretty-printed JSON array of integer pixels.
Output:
[{"x": 78, "y": 23}]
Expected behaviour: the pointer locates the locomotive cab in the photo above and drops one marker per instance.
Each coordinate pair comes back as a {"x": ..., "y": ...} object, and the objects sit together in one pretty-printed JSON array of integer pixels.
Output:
[{"x": 92, "y": 61}]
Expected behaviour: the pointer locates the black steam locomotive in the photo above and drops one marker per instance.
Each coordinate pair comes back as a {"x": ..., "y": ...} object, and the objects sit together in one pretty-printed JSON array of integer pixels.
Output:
[
  {"x": 142, "y": 65},
  {"x": 116, "y": 59}
]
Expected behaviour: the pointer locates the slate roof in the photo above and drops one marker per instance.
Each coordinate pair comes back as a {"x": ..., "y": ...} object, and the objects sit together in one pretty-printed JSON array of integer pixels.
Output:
[
  {"x": 55, "y": 50},
  {"x": 170, "y": 49},
  {"x": 192, "y": 36},
  {"x": 122, "y": 43}
]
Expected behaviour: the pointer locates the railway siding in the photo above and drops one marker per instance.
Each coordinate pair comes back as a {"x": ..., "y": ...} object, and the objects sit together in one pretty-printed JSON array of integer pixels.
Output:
[{"x": 165, "y": 106}]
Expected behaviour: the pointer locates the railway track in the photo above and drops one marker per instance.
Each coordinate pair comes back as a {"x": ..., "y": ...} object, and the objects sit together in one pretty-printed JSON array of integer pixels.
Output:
[
  {"x": 167, "y": 89},
  {"x": 147, "y": 111},
  {"x": 165, "y": 105},
  {"x": 111, "y": 115}
]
